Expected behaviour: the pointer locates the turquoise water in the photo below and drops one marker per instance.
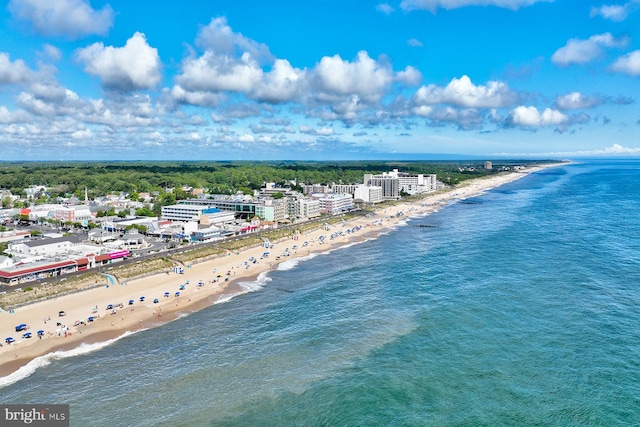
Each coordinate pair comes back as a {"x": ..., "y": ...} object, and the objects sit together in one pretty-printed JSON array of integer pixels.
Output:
[{"x": 522, "y": 307}]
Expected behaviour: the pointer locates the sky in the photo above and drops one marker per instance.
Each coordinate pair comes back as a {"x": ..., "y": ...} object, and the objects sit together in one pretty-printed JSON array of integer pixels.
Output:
[{"x": 318, "y": 79}]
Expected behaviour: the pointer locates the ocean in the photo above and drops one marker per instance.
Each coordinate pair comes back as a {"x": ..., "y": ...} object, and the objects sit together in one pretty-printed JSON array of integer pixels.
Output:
[{"x": 518, "y": 307}]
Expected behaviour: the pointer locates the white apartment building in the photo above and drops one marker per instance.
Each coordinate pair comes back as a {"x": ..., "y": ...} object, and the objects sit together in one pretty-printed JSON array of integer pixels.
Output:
[
  {"x": 368, "y": 194},
  {"x": 390, "y": 185},
  {"x": 344, "y": 188},
  {"x": 334, "y": 203},
  {"x": 183, "y": 212},
  {"x": 272, "y": 210},
  {"x": 394, "y": 182},
  {"x": 303, "y": 208}
]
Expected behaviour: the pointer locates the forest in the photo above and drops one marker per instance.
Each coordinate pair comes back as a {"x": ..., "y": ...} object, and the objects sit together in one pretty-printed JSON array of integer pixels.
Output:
[{"x": 101, "y": 178}]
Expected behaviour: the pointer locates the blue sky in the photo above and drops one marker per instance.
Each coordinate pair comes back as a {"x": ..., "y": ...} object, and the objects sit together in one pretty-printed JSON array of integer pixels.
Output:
[{"x": 318, "y": 80}]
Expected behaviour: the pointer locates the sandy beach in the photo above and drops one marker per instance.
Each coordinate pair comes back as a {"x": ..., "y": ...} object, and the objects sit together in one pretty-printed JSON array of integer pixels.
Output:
[{"x": 201, "y": 285}]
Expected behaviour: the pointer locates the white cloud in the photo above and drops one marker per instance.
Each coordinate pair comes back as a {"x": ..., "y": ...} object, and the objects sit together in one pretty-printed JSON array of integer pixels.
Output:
[
  {"x": 433, "y": 5},
  {"x": 283, "y": 83},
  {"x": 246, "y": 138},
  {"x": 52, "y": 52},
  {"x": 7, "y": 117},
  {"x": 409, "y": 76},
  {"x": 334, "y": 88},
  {"x": 385, "y": 8},
  {"x": 231, "y": 63},
  {"x": 136, "y": 65},
  {"x": 614, "y": 150},
  {"x": 415, "y": 43},
  {"x": 628, "y": 64},
  {"x": 463, "y": 93},
  {"x": 576, "y": 100},
  {"x": 45, "y": 100},
  {"x": 211, "y": 72},
  {"x": 14, "y": 72},
  {"x": 578, "y": 51},
  {"x": 364, "y": 77},
  {"x": 219, "y": 39},
  {"x": 67, "y": 18},
  {"x": 81, "y": 134},
  {"x": 465, "y": 118},
  {"x": 619, "y": 149},
  {"x": 531, "y": 117},
  {"x": 614, "y": 12},
  {"x": 324, "y": 131},
  {"x": 201, "y": 98}
]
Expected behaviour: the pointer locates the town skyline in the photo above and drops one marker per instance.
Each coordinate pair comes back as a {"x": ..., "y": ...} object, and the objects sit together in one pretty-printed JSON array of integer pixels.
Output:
[{"x": 410, "y": 79}]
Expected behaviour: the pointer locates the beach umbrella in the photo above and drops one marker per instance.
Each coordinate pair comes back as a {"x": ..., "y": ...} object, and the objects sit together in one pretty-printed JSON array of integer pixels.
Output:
[
  {"x": 155, "y": 301},
  {"x": 177, "y": 294},
  {"x": 61, "y": 313},
  {"x": 26, "y": 335},
  {"x": 9, "y": 340},
  {"x": 131, "y": 302},
  {"x": 141, "y": 299},
  {"x": 166, "y": 294},
  {"x": 90, "y": 319},
  {"x": 21, "y": 327}
]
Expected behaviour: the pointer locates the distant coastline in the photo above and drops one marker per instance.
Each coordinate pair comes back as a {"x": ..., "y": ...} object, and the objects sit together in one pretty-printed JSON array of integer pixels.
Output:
[{"x": 201, "y": 285}]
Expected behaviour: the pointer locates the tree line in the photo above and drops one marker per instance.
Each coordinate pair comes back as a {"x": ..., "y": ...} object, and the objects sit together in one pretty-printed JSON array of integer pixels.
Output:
[{"x": 223, "y": 177}]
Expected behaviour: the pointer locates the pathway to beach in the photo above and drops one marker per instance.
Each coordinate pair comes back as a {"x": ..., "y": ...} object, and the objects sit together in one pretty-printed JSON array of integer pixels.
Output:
[{"x": 107, "y": 312}]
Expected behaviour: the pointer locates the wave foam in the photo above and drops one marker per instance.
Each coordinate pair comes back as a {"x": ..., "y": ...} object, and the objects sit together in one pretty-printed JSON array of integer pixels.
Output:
[
  {"x": 41, "y": 361},
  {"x": 247, "y": 287}
]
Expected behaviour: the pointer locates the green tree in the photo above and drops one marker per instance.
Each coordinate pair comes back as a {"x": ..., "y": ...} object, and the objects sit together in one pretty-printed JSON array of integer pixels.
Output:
[{"x": 145, "y": 212}]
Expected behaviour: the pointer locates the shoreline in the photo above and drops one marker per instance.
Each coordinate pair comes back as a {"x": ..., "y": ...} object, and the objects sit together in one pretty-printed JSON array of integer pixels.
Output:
[{"x": 201, "y": 286}]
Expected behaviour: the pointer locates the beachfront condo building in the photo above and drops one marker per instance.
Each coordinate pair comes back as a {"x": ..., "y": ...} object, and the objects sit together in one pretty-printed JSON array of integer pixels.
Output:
[
  {"x": 334, "y": 204},
  {"x": 368, "y": 194},
  {"x": 395, "y": 182},
  {"x": 390, "y": 185},
  {"x": 302, "y": 208}
]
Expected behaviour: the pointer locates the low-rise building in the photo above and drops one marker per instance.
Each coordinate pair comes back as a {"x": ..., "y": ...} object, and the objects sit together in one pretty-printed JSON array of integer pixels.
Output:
[{"x": 186, "y": 212}]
